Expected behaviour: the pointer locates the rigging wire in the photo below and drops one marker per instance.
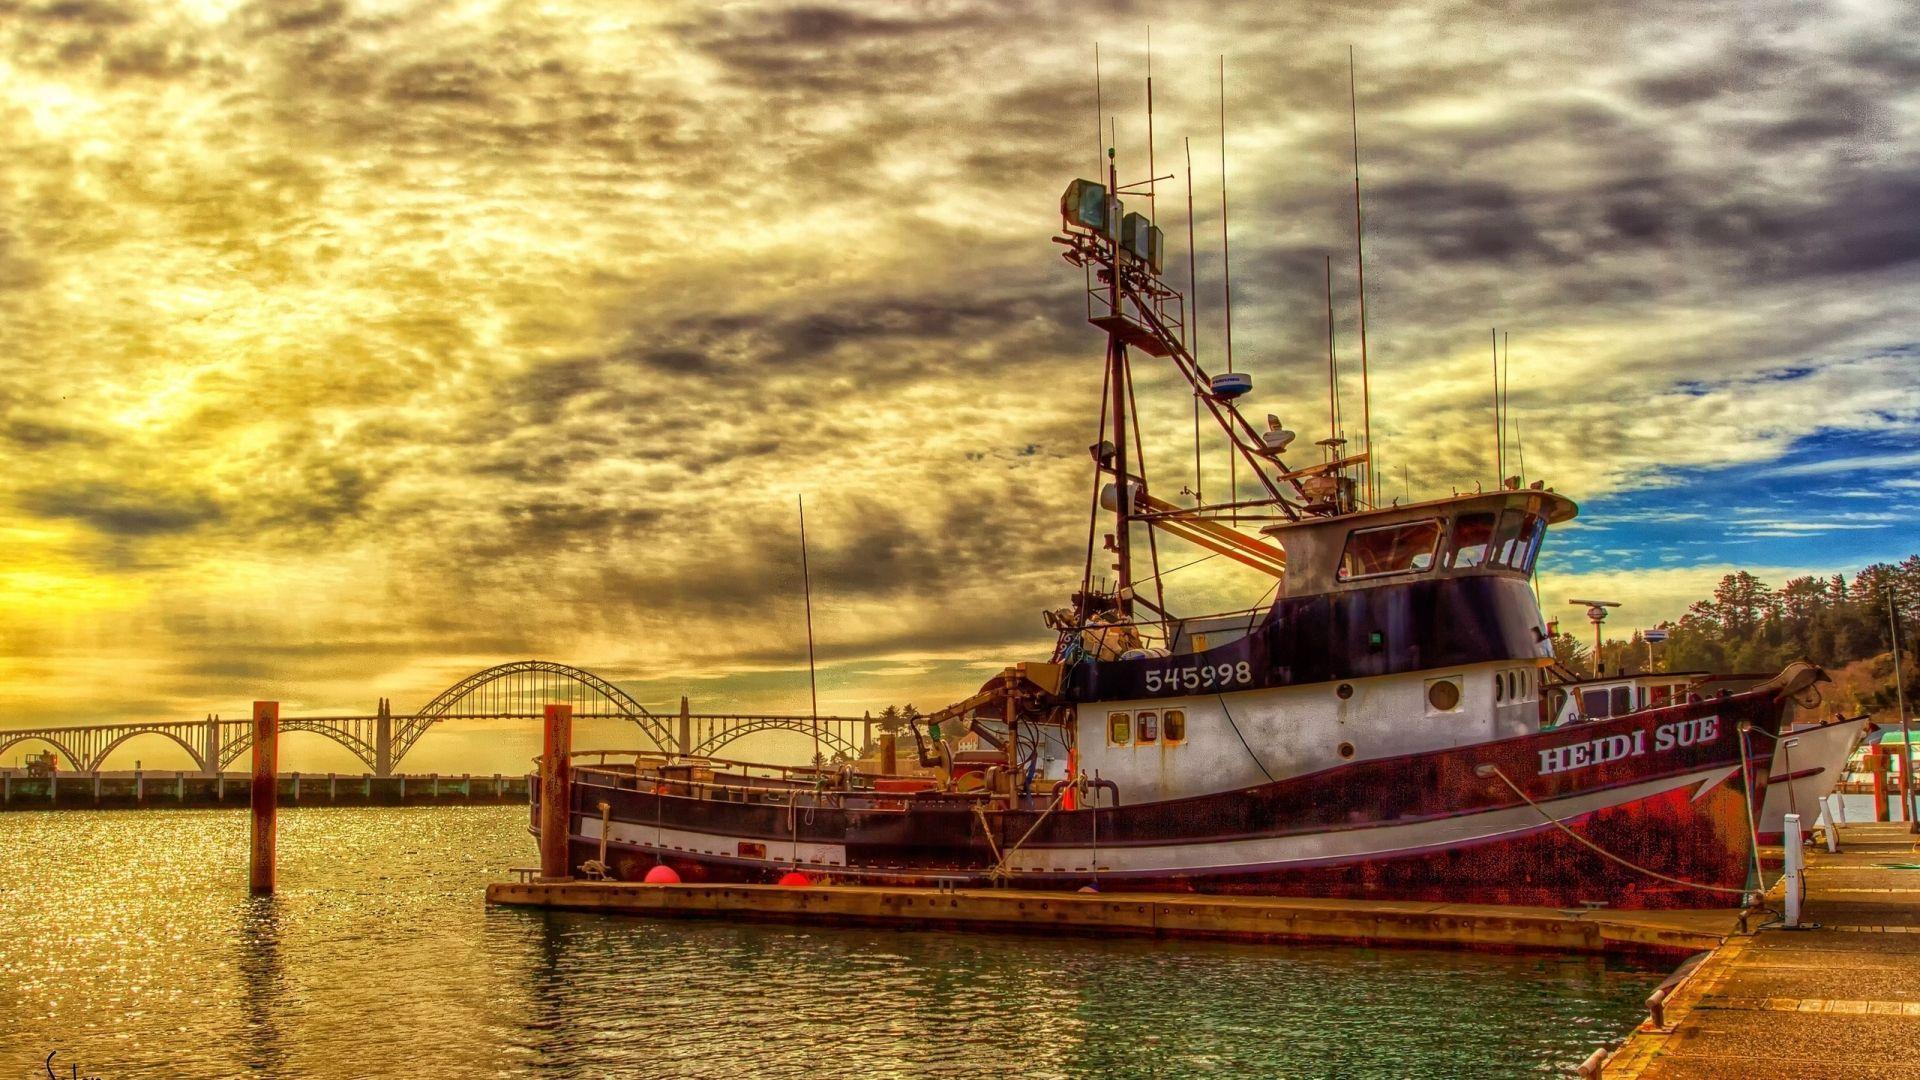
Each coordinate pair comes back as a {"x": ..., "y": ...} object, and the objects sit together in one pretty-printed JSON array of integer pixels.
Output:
[
  {"x": 1243, "y": 739},
  {"x": 1226, "y": 271}
]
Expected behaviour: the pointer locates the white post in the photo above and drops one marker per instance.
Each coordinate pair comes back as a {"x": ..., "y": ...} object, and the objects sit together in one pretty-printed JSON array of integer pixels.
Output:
[
  {"x": 1796, "y": 860},
  {"x": 1830, "y": 808}
]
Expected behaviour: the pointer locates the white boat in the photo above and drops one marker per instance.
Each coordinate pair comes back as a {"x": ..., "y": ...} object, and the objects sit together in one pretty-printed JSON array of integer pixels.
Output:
[{"x": 1807, "y": 767}]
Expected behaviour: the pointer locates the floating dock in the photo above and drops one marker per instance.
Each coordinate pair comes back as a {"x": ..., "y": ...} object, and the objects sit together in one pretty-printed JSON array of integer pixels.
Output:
[
  {"x": 1840, "y": 998},
  {"x": 1184, "y": 915}
]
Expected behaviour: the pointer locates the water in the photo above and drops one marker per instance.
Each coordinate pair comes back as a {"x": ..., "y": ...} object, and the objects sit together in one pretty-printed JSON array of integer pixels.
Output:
[{"x": 129, "y": 945}]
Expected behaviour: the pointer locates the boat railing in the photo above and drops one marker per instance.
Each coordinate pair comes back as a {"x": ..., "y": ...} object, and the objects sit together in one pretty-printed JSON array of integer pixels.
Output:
[{"x": 787, "y": 785}]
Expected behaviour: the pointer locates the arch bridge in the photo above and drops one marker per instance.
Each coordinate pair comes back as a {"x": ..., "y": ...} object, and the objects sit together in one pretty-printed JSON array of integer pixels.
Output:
[{"x": 514, "y": 691}]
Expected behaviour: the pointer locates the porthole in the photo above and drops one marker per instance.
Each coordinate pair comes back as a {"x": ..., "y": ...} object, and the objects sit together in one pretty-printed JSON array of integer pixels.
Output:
[
  {"x": 1443, "y": 695},
  {"x": 1344, "y": 692},
  {"x": 1499, "y": 688},
  {"x": 1346, "y": 749}
]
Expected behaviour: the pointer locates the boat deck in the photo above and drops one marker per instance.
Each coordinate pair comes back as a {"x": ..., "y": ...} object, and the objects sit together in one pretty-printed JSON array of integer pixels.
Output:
[
  {"x": 1183, "y": 915},
  {"x": 1841, "y": 999}
]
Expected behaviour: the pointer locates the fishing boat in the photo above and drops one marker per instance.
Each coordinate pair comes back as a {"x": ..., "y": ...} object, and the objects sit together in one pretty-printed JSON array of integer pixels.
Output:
[{"x": 1371, "y": 726}]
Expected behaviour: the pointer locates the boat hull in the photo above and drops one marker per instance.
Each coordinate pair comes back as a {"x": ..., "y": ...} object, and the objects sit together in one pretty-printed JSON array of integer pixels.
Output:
[
  {"x": 1806, "y": 771},
  {"x": 1655, "y": 809}
]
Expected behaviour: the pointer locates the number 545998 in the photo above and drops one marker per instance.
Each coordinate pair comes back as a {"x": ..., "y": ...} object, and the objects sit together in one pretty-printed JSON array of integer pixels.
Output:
[{"x": 1199, "y": 677}]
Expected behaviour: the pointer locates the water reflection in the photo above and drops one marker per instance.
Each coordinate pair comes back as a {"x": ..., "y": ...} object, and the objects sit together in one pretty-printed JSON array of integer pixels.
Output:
[
  {"x": 378, "y": 958},
  {"x": 262, "y": 984}
]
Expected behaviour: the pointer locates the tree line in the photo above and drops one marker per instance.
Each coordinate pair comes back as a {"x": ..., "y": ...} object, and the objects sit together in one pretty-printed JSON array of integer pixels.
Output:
[{"x": 1845, "y": 626}]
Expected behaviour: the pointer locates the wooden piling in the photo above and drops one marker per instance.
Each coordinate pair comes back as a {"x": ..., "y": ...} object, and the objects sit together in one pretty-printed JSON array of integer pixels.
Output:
[
  {"x": 555, "y": 793},
  {"x": 265, "y": 794},
  {"x": 1877, "y": 768},
  {"x": 889, "y": 754}
]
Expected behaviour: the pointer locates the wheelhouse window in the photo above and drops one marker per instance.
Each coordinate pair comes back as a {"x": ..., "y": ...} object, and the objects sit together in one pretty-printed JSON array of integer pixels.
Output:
[
  {"x": 1517, "y": 540},
  {"x": 1176, "y": 725},
  {"x": 1120, "y": 728},
  {"x": 1407, "y": 548},
  {"x": 1622, "y": 701},
  {"x": 1594, "y": 704},
  {"x": 1146, "y": 728},
  {"x": 1472, "y": 535}
]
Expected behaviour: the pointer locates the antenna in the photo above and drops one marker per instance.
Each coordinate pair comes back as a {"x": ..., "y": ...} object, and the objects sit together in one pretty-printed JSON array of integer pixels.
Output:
[
  {"x": 806, "y": 579},
  {"x": 1153, "y": 205},
  {"x": 1521, "y": 448},
  {"x": 1360, "y": 268},
  {"x": 1226, "y": 268},
  {"x": 1193, "y": 321},
  {"x": 1099, "y": 117},
  {"x": 1333, "y": 366},
  {"x": 1506, "y": 391},
  {"x": 1499, "y": 449}
]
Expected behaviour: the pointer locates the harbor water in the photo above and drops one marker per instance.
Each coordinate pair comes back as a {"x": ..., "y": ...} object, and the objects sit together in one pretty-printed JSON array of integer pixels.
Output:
[{"x": 129, "y": 947}]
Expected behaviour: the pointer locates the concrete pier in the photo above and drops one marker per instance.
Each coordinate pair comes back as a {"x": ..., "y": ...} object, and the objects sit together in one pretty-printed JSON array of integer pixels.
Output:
[
  {"x": 1668, "y": 933},
  {"x": 1838, "y": 999}
]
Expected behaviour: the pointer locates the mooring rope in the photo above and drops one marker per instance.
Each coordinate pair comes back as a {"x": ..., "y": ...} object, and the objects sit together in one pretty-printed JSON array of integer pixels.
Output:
[
  {"x": 1598, "y": 850},
  {"x": 1000, "y": 871}
]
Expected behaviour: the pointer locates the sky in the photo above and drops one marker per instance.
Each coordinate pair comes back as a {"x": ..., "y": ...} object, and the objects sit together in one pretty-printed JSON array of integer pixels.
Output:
[{"x": 350, "y": 348}]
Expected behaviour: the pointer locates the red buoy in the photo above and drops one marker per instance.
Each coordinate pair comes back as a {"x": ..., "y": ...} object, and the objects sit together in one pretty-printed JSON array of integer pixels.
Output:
[
  {"x": 662, "y": 874},
  {"x": 794, "y": 879}
]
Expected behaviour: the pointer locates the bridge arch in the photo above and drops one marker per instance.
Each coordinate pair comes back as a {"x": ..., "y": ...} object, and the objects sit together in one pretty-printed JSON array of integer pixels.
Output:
[
  {"x": 831, "y": 738},
  {"x": 9, "y": 739},
  {"x": 242, "y": 741},
  {"x": 523, "y": 687},
  {"x": 194, "y": 752}
]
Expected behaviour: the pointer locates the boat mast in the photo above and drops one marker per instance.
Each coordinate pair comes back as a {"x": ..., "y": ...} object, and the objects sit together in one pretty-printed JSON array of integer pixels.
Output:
[{"x": 1117, "y": 378}]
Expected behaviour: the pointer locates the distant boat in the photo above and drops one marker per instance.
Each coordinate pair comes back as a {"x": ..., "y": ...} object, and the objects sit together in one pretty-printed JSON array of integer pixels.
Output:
[{"x": 1371, "y": 724}]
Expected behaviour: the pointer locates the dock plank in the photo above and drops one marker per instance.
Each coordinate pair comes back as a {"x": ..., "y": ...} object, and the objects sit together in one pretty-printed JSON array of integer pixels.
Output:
[{"x": 1245, "y": 918}]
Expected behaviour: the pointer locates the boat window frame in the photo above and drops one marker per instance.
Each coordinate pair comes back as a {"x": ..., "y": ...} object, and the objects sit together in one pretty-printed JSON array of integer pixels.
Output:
[
  {"x": 1432, "y": 553},
  {"x": 1533, "y": 533},
  {"x": 1115, "y": 722},
  {"x": 1606, "y": 699},
  {"x": 1622, "y": 695},
  {"x": 1168, "y": 725},
  {"x": 1485, "y": 546},
  {"x": 1146, "y": 727}
]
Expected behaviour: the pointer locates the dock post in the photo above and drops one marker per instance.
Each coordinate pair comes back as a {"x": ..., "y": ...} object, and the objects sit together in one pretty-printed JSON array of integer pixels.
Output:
[
  {"x": 96, "y": 785},
  {"x": 265, "y": 792},
  {"x": 1877, "y": 768},
  {"x": 179, "y": 787},
  {"x": 296, "y": 787},
  {"x": 1796, "y": 857},
  {"x": 139, "y": 784},
  {"x": 6, "y": 794},
  {"x": 556, "y": 818},
  {"x": 685, "y": 739},
  {"x": 889, "y": 754},
  {"x": 333, "y": 787}
]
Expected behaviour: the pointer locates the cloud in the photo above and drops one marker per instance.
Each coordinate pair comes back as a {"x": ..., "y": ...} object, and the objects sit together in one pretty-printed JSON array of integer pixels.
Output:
[{"x": 350, "y": 348}]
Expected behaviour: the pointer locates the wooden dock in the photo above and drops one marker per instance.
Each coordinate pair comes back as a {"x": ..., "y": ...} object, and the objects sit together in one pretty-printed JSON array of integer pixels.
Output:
[
  {"x": 1275, "y": 919},
  {"x": 1841, "y": 999}
]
